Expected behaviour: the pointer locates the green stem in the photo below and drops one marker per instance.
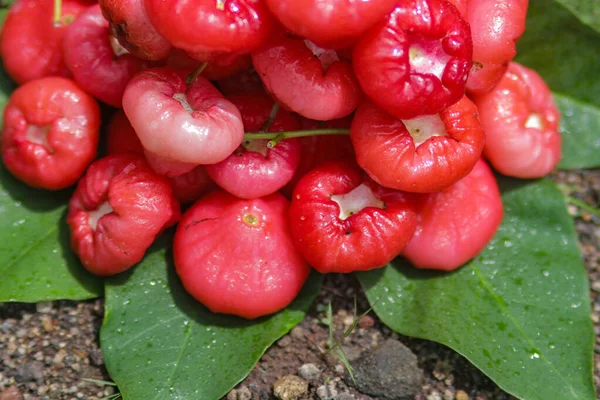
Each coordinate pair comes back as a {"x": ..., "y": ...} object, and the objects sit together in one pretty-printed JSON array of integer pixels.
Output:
[
  {"x": 295, "y": 134},
  {"x": 583, "y": 205},
  {"x": 192, "y": 77},
  {"x": 272, "y": 117},
  {"x": 57, "y": 12}
]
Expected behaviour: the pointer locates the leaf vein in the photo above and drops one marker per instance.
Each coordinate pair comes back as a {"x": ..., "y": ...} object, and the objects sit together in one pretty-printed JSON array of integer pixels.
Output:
[
  {"x": 186, "y": 338},
  {"x": 27, "y": 250}
]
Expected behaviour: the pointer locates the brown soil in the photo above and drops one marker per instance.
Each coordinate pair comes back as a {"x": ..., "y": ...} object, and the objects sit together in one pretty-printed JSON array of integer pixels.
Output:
[{"x": 47, "y": 349}]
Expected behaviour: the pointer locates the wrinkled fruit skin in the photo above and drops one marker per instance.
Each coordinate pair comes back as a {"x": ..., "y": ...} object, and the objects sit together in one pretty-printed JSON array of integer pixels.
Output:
[
  {"x": 317, "y": 88},
  {"x": 116, "y": 212},
  {"x": 192, "y": 185},
  {"x": 254, "y": 170},
  {"x": 370, "y": 237},
  {"x": 392, "y": 156},
  {"x": 496, "y": 26},
  {"x": 51, "y": 132},
  {"x": 237, "y": 256},
  {"x": 417, "y": 61},
  {"x": 218, "y": 67},
  {"x": 456, "y": 224},
  {"x": 330, "y": 23},
  {"x": 129, "y": 22},
  {"x": 521, "y": 123},
  {"x": 202, "y": 127},
  {"x": 199, "y": 26},
  {"x": 90, "y": 56},
  {"x": 30, "y": 44}
]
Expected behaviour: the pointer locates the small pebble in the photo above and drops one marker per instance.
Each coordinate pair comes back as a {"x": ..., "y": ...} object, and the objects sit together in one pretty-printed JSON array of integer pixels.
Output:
[
  {"x": 44, "y": 307},
  {"x": 284, "y": 341},
  {"x": 290, "y": 387},
  {"x": 327, "y": 391},
  {"x": 366, "y": 322},
  {"x": 310, "y": 372},
  {"x": 461, "y": 395},
  {"x": 298, "y": 333},
  {"x": 434, "y": 396},
  {"x": 242, "y": 393},
  {"x": 12, "y": 393}
]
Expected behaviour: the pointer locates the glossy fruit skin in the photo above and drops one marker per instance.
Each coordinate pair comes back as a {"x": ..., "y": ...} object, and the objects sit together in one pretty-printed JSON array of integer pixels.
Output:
[
  {"x": 330, "y": 23},
  {"x": 387, "y": 152},
  {"x": 250, "y": 174},
  {"x": 89, "y": 55},
  {"x": 187, "y": 188},
  {"x": 129, "y": 22},
  {"x": 496, "y": 26},
  {"x": 302, "y": 83},
  {"x": 180, "y": 139},
  {"x": 237, "y": 256},
  {"x": 368, "y": 239},
  {"x": 141, "y": 206},
  {"x": 121, "y": 137},
  {"x": 30, "y": 44},
  {"x": 456, "y": 224},
  {"x": 512, "y": 147},
  {"x": 436, "y": 33},
  {"x": 51, "y": 132},
  {"x": 199, "y": 26}
]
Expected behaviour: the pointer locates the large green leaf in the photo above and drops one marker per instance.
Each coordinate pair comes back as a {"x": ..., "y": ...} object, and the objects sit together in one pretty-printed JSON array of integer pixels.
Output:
[
  {"x": 588, "y": 11},
  {"x": 159, "y": 343},
  {"x": 520, "y": 311},
  {"x": 565, "y": 52},
  {"x": 580, "y": 129},
  {"x": 36, "y": 262}
]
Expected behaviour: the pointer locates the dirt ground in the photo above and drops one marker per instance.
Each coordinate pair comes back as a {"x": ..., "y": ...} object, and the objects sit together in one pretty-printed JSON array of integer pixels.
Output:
[{"x": 47, "y": 349}]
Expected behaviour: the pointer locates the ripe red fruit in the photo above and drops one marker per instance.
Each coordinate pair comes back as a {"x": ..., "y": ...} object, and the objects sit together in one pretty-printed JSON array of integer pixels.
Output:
[
  {"x": 187, "y": 188},
  {"x": 422, "y": 155},
  {"x": 181, "y": 126},
  {"x": 129, "y": 22},
  {"x": 116, "y": 212},
  {"x": 417, "y": 61},
  {"x": 192, "y": 185},
  {"x": 218, "y": 67},
  {"x": 121, "y": 136},
  {"x": 330, "y": 23},
  {"x": 521, "y": 123},
  {"x": 254, "y": 170},
  {"x": 50, "y": 134},
  {"x": 237, "y": 256},
  {"x": 496, "y": 26},
  {"x": 306, "y": 79},
  {"x": 342, "y": 221},
  {"x": 212, "y": 26},
  {"x": 456, "y": 224},
  {"x": 100, "y": 65},
  {"x": 30, "y": 44}
]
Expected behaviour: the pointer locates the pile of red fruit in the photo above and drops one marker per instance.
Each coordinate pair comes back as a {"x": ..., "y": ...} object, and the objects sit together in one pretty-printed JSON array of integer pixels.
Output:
[{"x": 370, "y": 116}]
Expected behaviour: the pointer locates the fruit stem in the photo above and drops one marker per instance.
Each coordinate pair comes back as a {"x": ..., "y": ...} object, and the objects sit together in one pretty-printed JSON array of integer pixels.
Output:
[
  {"x": 272, "y": 117},
  {"x": 57, "y": 12},
  {"x": 276, "y": 137},
  {"x": 192, "y": 77}
]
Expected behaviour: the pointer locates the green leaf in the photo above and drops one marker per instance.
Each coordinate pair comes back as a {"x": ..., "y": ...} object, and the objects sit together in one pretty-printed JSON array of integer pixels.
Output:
[
  {"x": 520, "y": 311},
  {"x": 36, "y": 262},
  {"x": 588, "y": 11},
  {"x": 160, "y": 343},
  {"x": 565, "y": 53},
  {"x": 580, "y": 128}
]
